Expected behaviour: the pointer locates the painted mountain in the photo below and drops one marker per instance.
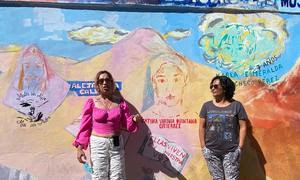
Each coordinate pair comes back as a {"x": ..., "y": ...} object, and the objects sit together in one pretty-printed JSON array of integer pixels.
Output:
[{"x": 274, "y": 114}]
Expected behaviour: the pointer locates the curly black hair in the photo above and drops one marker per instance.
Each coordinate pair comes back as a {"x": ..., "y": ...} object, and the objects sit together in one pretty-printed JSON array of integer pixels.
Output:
[{"x": 227, "y": 85}]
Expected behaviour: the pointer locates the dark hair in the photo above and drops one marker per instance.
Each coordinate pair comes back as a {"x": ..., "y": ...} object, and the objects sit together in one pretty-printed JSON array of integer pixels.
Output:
[
  {"x": 97, "y": 79},
  {"x": 227, "y": 85}
]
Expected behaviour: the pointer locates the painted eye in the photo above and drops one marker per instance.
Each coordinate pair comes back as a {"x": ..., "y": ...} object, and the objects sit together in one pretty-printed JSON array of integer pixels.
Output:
[{"x": 161, "y": 80}]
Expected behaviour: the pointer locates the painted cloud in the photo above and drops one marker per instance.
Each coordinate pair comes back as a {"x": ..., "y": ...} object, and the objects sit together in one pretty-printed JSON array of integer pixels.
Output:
[
  {"x": 94, "y": 35},
  {"x": 178, "y": 34}
]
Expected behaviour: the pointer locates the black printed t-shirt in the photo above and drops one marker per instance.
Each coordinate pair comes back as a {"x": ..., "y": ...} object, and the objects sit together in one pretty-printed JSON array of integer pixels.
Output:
[{"x": 222, "y": 126}]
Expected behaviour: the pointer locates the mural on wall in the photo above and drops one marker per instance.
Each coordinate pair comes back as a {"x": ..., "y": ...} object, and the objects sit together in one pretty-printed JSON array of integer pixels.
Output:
[{"x": 162, "y": 64}]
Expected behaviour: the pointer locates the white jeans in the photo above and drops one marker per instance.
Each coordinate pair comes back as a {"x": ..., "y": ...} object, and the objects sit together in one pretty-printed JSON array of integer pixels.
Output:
[{"x": 107, "y": 159}]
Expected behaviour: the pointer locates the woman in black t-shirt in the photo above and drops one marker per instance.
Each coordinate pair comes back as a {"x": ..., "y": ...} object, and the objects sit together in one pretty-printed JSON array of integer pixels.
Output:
[{"x": 222, "y": 130}]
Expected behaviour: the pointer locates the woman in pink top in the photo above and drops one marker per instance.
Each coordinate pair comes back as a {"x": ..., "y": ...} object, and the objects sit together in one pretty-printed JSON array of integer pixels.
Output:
[{"x": 103, "y": 117}]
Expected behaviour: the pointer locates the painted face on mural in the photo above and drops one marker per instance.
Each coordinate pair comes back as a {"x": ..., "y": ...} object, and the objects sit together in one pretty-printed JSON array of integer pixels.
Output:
[
  {"x": 33, "y": 73},
  {"x": 168, "y": 84},
  {"x": 236, "y": 44}
]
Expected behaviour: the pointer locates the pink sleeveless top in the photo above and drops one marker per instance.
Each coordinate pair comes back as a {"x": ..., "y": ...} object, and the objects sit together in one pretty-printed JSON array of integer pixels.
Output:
[{"x": 103, "y": 121}]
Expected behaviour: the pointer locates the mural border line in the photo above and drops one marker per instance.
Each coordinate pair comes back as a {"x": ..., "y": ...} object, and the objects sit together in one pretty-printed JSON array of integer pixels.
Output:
[{"x": 136, "y": 7}]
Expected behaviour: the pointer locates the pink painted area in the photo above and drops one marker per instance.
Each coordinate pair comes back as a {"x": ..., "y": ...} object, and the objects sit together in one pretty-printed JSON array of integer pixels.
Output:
[{"x": 134, "y": 50}]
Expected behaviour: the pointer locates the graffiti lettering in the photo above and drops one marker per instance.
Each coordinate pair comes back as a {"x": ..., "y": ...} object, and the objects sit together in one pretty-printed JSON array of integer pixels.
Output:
[
  {"x": 177, "y": 151},
  {"x": 229, "y": 74},
  {"x": 187, "y": 121},
  {"x": 166, "y": 120},
  {"x": 267, "y": 62},
  {"x": 174, "y": 158},
  {"x": 84, "y": 92},
  {"x": 214, "y": 3},
  {"x": 87, "y": 88},
  {"x": 150, "y": 121},
  {"x": 159, "y": 141},
  {"x": 22, "y": 125},
  {"x": 248, "y": 82},
  {"x": 22, "y": 95},
  {"x": 253, "y": 82},
  {"x": 271, "y": 79},
  {"x": 166, "y": 125},
  {"x": 20, "y": 121},
  {"x": 290, "y": 3},
  {"x": 169, "y": 154},
  {"x": 170, "y": 123},
  {"x": 83, "y": 85},
  {"x": 24, "y": 121},
  {"x": 259, "y": 73}
]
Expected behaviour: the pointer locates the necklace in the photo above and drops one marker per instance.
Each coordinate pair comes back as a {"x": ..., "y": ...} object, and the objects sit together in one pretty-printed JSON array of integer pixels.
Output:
[{"x": 106, "y": 104}]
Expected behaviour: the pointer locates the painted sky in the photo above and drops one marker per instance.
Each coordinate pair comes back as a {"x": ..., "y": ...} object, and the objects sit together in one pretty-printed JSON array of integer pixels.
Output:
[{"x": 48, "y": 28}]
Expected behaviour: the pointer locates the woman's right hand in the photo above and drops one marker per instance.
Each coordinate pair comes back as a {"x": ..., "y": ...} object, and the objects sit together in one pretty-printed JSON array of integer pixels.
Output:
[
  {"x": 81, "y": 155},
  {"x": 137, "y": 118}
]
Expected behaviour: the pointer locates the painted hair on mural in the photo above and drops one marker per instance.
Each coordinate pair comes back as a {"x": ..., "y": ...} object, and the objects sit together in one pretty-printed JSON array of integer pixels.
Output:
[
  {"x": 34, "y": 72},
  {"x": 168, "y": 58}
]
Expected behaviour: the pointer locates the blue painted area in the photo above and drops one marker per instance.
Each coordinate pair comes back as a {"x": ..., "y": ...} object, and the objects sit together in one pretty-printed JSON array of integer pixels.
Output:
[
  {"x": 87, "y": 88},
  {"x": 49, "y": 31},
  {"x": 28, "y": 28}
]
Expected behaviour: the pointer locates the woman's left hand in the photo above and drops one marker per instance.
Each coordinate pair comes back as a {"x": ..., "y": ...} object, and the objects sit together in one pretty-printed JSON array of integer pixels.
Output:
[{"x": 137, "y": 118}]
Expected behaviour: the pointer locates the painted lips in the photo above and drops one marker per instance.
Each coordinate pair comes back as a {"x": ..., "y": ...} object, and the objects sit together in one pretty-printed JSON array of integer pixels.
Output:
[{"x": 170, "y": 97}]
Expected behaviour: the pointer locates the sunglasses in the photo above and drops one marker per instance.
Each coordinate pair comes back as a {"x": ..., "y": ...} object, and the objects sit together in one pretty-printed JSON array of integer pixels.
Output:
[
  {"x": 215, "y": 86},
  {"x": 101, "y": 81}
]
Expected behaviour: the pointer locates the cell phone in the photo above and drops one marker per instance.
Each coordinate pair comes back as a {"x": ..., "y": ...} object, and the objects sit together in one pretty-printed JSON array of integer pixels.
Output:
[{"x": 116, "y": 141}]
